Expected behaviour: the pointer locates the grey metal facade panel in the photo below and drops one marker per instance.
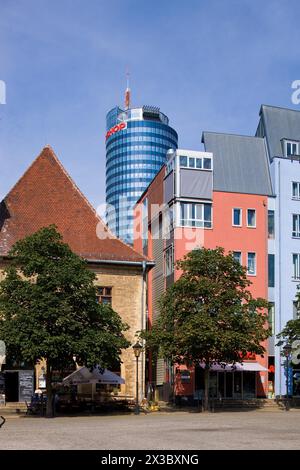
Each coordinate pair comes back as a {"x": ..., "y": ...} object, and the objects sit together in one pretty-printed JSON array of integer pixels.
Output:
[
  {"x": 279, "y": 123},
  {"x": 240, "y": 163},
  {"x": 158, "y": 275},
  {"x": 271, "y": 345},
  {"x": 195, "y": 183},
  {"x": 169, "y": 187}
]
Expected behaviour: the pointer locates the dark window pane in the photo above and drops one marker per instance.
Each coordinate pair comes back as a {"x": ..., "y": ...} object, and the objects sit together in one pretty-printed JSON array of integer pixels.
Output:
[
  {"x": 183, "y": 161},
  {"x": 251, "y": 218},
  {"x": 207, "y": 163},
  {"x": 271, "y": 270},
  {"x": 236, "y": 217},
  {"x": 271, "y": 224},
  {"x": 191, "y": 162}
]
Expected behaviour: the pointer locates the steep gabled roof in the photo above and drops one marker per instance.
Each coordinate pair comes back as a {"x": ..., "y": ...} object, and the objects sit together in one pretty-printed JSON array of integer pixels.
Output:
[
  {"x": 279, "y": 123},
  {"x": 240, "y": 163},
  {"x": 47, "y": 195}
]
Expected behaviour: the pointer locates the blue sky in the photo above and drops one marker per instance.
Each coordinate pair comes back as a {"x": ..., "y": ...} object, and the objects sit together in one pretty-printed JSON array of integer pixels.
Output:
[{"x": 208, "y": 64}]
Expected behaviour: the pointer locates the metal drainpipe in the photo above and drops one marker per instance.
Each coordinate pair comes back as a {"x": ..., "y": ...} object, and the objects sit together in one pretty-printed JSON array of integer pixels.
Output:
[
  {"x": 144, "y": 266},
  {"x": 279, "y": 268}
]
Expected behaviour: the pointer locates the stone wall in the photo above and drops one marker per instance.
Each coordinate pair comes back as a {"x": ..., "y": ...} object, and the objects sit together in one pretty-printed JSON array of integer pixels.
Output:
[{"x": 127, "y": 286}]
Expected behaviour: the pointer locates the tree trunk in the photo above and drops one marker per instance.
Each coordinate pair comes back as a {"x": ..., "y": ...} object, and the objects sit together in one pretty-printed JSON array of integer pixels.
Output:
[
  {"x": 206, "y": 388},
  {"x": 49, "y": 391}
]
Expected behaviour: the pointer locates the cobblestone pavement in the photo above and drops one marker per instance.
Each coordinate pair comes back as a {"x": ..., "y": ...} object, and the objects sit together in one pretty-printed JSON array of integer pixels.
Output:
[{"x": 157, "y": 431}]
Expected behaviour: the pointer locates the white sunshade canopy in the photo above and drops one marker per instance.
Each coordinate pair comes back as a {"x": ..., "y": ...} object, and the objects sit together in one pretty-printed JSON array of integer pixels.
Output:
[
  {"x": 84, "y": 375},
  {"x": 243, "y": 366}
]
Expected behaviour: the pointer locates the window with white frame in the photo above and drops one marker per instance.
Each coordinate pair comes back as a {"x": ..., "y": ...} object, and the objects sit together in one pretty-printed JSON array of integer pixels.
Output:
[
  {"x": 291, "y": 148},
  {"x": 295, "y": 190},
  {"x": 271, "y": 317},
  {"x": 168, "y": 221},
  {"x": 251, "y": 264},
  {"x": 296, "y": 226},
  {"x": 200, "y": 163},
  {"x": 296, "y": 266},
  {"x": 237, "y": 255},
  {"x": 169, "y": 260},
  {"x": 271, "y": 224},
  {"x": 169, "y": 167},
  {"x": 195, "y": 214},
  {"x": 237, "y": 217},
  {"x": 251, "y": 218}
]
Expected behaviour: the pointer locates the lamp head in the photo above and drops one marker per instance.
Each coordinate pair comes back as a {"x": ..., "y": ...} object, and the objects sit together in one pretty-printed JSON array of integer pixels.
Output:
[
  {"x": 137, "y": 349},
  {"x": 287, "y": 349}
]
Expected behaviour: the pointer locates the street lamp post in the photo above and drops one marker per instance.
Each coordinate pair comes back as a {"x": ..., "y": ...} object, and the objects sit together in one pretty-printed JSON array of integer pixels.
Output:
[
  {"x": 287, "y": 350},
  {"x": 137, "y": 349}
]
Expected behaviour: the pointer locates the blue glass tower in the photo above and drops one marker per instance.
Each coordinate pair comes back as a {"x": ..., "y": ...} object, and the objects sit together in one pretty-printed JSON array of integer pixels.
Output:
[{"x": 137, "y": 141}]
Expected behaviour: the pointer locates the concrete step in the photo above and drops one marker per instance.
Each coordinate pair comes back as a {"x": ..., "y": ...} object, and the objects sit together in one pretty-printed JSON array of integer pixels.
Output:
[{"x": 13, "y": 407}]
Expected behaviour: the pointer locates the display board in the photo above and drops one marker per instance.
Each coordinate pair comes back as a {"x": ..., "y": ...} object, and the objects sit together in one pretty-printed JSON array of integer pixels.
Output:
[{"x": 26, "y": 384}]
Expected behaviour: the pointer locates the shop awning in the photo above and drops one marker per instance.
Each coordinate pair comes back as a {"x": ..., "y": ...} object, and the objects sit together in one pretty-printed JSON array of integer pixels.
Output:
[
  {"x": 252, "y": 366},
  {"x": 84, "y": 375}
]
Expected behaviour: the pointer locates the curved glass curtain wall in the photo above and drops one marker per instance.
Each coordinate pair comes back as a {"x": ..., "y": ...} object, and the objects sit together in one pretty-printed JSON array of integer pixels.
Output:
[{"x": 134, "y": 155}]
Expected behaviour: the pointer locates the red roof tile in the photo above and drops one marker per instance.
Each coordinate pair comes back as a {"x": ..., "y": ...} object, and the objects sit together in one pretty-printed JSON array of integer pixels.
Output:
[{"x": 47, "y": 195}]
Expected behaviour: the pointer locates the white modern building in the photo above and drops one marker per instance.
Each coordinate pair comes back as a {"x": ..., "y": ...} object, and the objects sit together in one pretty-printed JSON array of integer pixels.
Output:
[{"x": 281, "y": 129}]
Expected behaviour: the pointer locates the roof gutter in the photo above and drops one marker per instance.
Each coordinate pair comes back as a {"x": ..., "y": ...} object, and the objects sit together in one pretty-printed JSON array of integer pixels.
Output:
[{"x": 142, "y": 264}]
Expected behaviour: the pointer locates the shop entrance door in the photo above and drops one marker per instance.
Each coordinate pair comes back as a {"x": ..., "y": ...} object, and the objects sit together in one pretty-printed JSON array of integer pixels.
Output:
[
  {"x": 11, "y": 385},
  {"x": 237, "y": 385},
  {"x": 228, "y": 384}
]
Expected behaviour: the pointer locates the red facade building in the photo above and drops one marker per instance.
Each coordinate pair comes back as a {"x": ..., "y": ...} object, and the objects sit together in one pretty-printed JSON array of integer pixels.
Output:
[{"x": 218, "y": 197}]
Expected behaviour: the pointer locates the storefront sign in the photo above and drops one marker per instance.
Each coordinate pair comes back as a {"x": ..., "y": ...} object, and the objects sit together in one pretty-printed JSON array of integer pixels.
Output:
[
  {"x": 117, "y": 128},
  {"x": 25, "y": 385}
]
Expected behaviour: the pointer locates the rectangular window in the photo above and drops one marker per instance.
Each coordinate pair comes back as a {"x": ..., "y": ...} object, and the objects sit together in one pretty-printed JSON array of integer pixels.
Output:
[
  {"x": 295, "y": 190},
  {"x": 198, "y": 163},
  {"x": 271, "y": 270},
  {"x": 237, "y": 217},
  {"x": 169, "y": 260},
  {"x": 104, "y": 295},
  {"x": 191, "y": 162},
  {"x": 207, "y": 163},
  {"x": 195, "y": 214},
  {"x": 296, "y": 266},
  {"x": 296, "y": 226},
  {"x": 296, "y": 314},
  {"x": 271, "y": 317},
  {"x": 183, "y": 161},
  {"x": 237, "y": 256},
  {"x": 292, "y": 148},
  {"x": 271, "y": 224},
  {"x": 251, "y": 218},
  {"x": 251, "y": 264}
]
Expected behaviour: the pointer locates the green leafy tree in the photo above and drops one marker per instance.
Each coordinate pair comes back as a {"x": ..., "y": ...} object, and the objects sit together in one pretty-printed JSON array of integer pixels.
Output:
[
  {"x": 49, "y": 309},
  {"x": 291, "y": 331},
  {"x": 291, "y": 334},
  {"x": 208, "y": 315}
]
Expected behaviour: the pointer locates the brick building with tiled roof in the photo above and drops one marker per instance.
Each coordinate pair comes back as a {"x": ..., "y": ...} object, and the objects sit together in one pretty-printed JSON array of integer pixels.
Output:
[{"x": 47, "y": 195}]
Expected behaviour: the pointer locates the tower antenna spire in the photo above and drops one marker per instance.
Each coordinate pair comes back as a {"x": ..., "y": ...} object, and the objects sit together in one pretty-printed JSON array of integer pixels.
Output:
[{"x": 128, "y": 91}]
